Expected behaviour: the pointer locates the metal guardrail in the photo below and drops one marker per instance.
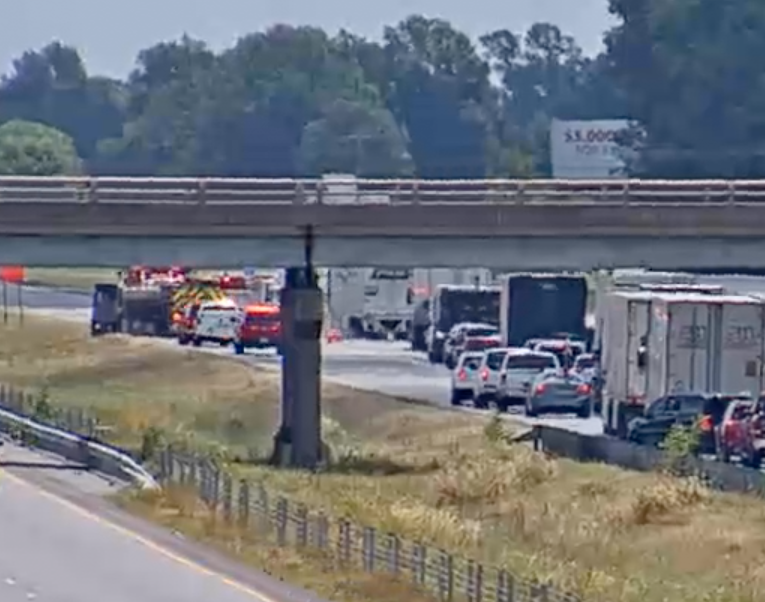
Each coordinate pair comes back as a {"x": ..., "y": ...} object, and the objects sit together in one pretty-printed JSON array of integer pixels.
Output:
[
  {"x": 62, "y": 440},
  {"x": 248, "y": 191}
]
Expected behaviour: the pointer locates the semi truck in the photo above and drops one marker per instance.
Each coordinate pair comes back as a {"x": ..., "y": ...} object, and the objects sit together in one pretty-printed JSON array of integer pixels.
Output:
[
  {"x": 659, "y": 343},
  {"x": 425, "y": 281},
  {"x": 452, "y": 304},
  {"x": 372, "y": 303},
  {"x": 542, "y": 306}
]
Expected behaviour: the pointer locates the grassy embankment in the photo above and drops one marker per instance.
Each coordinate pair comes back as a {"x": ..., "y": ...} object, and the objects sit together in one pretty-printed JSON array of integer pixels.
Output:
[
  {"x": 70, "y": 278},
  {"x": 426, "y": 474}
]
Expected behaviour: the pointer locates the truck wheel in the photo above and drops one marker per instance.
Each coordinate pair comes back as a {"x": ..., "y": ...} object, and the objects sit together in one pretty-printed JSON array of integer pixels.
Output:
[
  {"x": 238, "y": 348},
  {"x": 529, "y": 411},
  {"x": 584, "y": 412},
  {"x": 196, "y": 341},
  {"x": 456, "y": 398},
  {"x": 183, "y": 340}
]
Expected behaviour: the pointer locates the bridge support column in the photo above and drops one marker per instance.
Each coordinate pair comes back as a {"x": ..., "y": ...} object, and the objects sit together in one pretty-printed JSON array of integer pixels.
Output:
[{"x": 298, "y": 442}]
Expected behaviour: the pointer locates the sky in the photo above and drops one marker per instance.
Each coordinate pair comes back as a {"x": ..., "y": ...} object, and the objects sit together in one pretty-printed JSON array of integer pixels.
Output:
[{"x": 109, "y": 33}]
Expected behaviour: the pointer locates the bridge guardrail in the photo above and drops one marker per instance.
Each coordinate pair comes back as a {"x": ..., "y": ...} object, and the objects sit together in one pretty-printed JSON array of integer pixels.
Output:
[
  {"x": 62, "y": 440},
  {"x": 249, "y": 191}
]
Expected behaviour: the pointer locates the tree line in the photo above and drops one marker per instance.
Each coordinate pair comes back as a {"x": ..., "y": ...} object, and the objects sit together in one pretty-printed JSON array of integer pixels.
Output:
[{"x": 425, "y": 101}]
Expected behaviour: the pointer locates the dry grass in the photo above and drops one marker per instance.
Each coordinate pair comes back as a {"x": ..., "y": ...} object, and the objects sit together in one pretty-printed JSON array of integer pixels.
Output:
[
  {"x": 181, "y": 510},
  {"x": 442, "y": 477},
  {"x": 82, "y": 278},
  {"x": 71, "y": 278}
]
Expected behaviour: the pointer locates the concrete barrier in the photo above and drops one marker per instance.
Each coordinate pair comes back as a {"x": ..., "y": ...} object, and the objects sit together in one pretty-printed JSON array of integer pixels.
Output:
[{"x": 599, "y": 448}]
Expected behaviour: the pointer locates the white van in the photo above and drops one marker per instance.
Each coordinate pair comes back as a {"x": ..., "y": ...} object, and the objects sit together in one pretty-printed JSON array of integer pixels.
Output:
[{"x": 217, "y": 322}]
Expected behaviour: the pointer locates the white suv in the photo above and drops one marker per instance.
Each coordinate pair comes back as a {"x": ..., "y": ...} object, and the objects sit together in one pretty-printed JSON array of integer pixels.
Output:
[
  {"x": 519, "y": 369},
  {"x": 464, "y": 375},
  {"x": 486, "y": 386}
]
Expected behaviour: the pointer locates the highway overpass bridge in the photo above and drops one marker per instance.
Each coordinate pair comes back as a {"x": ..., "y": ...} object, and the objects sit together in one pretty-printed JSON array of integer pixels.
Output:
[{"x": 514, "y": 224}]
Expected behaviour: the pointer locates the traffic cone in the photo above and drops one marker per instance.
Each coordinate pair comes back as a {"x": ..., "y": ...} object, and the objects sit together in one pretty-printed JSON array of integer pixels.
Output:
[{"x": 334, "y": 335}]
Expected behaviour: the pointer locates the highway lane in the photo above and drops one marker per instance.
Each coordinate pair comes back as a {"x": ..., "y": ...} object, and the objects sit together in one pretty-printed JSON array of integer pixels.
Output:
[
  {"x": 382, "y": 366},
  {"x": 60, "y": 541}
]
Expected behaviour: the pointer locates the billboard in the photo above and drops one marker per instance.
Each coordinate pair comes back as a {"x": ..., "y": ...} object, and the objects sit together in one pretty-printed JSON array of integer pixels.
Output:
[{"x": 586, "y": 149}]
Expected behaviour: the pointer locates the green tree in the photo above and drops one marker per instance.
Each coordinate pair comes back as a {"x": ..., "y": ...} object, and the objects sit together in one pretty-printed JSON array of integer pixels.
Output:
[
  {"x": 351, "y": 137},
  {"x": 33, "y": 149},
  {"x": 51, "y": 86},
  {"x": 439, "y": 91},
  {"x": 694, "y": 81}
]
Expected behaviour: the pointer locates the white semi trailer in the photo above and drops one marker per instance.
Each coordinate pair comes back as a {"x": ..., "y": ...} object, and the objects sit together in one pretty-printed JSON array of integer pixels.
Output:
[
  {"x": 370, "y": 303},
  {"x": 657, "y": 343}
]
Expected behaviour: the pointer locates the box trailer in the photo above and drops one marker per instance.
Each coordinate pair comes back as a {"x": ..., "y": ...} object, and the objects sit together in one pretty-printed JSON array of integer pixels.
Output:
[
  {"x": 542, "y": 306},
  {"x": 657, "y": 343}
]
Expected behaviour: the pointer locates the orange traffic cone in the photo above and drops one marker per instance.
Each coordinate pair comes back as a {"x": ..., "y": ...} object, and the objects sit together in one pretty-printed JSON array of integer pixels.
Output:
[{"x": 334, "y": 335}]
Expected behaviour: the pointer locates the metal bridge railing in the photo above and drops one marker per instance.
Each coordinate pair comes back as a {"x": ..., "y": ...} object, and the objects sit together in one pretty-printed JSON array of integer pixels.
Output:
[{"x": 247, "y": 191}]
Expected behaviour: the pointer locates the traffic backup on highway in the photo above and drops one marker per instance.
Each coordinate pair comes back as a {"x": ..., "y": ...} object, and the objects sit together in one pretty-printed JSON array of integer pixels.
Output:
[{"x": 657, "y": 351}]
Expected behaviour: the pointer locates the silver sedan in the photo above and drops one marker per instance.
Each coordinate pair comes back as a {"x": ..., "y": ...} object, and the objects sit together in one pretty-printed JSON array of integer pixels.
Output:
[{"x": 561, "y": 393}]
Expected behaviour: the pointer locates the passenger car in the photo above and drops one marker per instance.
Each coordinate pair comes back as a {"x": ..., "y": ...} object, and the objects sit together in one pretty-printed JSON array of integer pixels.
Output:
[
  {"x": 464, "y": 375},
  {"x": 485, "y": 387},
  {"x": 684, "y": 409},
  {"x": 259, "y": 328},
  {"x": 460, "y": 336},
  {"x": 560, "y": 391},
  {"x": 732, "y": 433},
  {"x": 519, "y": 369}
]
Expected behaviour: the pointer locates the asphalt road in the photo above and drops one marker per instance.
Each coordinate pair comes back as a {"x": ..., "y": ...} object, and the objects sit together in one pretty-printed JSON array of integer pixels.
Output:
[
  {"x": 60, "y": 541},
  {"x": 387, "y": 367}
]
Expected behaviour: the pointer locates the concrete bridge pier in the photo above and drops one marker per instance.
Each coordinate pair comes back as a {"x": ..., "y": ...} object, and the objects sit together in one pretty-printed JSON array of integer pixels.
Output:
[{"x": 298, "y": 442}]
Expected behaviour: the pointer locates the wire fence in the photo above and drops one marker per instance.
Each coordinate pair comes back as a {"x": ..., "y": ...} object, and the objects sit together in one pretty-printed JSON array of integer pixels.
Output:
[{"x": 252, "y": 507}]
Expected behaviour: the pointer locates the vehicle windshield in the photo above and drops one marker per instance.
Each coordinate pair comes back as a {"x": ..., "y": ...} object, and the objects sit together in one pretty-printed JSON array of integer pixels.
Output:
[
  {"x": 471, "y": 362},
  {"x": 740, "y": 410},
  {"x": 480, "y": 344},
  {"x": 481, "y": 331},
  {"x": 494, "y": 360},
  {"x": 261, "y": 320},
  {"x": 585, "y": 362},
  {"x": 530, "y": 362}
]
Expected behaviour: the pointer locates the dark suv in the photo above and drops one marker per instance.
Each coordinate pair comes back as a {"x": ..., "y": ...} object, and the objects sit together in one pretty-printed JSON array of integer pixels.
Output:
[{"x": 705, "y": 409}]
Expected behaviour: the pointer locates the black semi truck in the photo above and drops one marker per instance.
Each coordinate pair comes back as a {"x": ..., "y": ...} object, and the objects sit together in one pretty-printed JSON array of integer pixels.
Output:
[
  {"x": 453, "y": 304},
  {"x": 543, "y": 306}
]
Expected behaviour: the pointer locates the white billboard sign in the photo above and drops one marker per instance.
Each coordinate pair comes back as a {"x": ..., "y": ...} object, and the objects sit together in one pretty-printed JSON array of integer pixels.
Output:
[{"x": 586, "y": 149}]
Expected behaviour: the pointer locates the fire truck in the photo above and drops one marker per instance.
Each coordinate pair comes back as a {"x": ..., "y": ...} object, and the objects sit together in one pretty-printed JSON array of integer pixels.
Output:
[
  {"x": 163, "y": 301},
  {"x": 138, "y": 303}
]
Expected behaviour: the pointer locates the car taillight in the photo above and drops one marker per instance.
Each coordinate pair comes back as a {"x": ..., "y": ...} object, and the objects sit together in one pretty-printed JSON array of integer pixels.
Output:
[
  {"x": 539, "y": 390},
  {"x": 462, "y": 375},
  {"x": 583, "y": 389},
  {"x": 485, "y": 374},
  {"x": 705, "y": 424}
]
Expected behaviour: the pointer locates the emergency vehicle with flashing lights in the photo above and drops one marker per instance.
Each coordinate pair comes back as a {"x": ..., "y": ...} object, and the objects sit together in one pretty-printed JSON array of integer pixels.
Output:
[
  {"x": 216, "y": 322},
  {"x": 259, "y": 328}
]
